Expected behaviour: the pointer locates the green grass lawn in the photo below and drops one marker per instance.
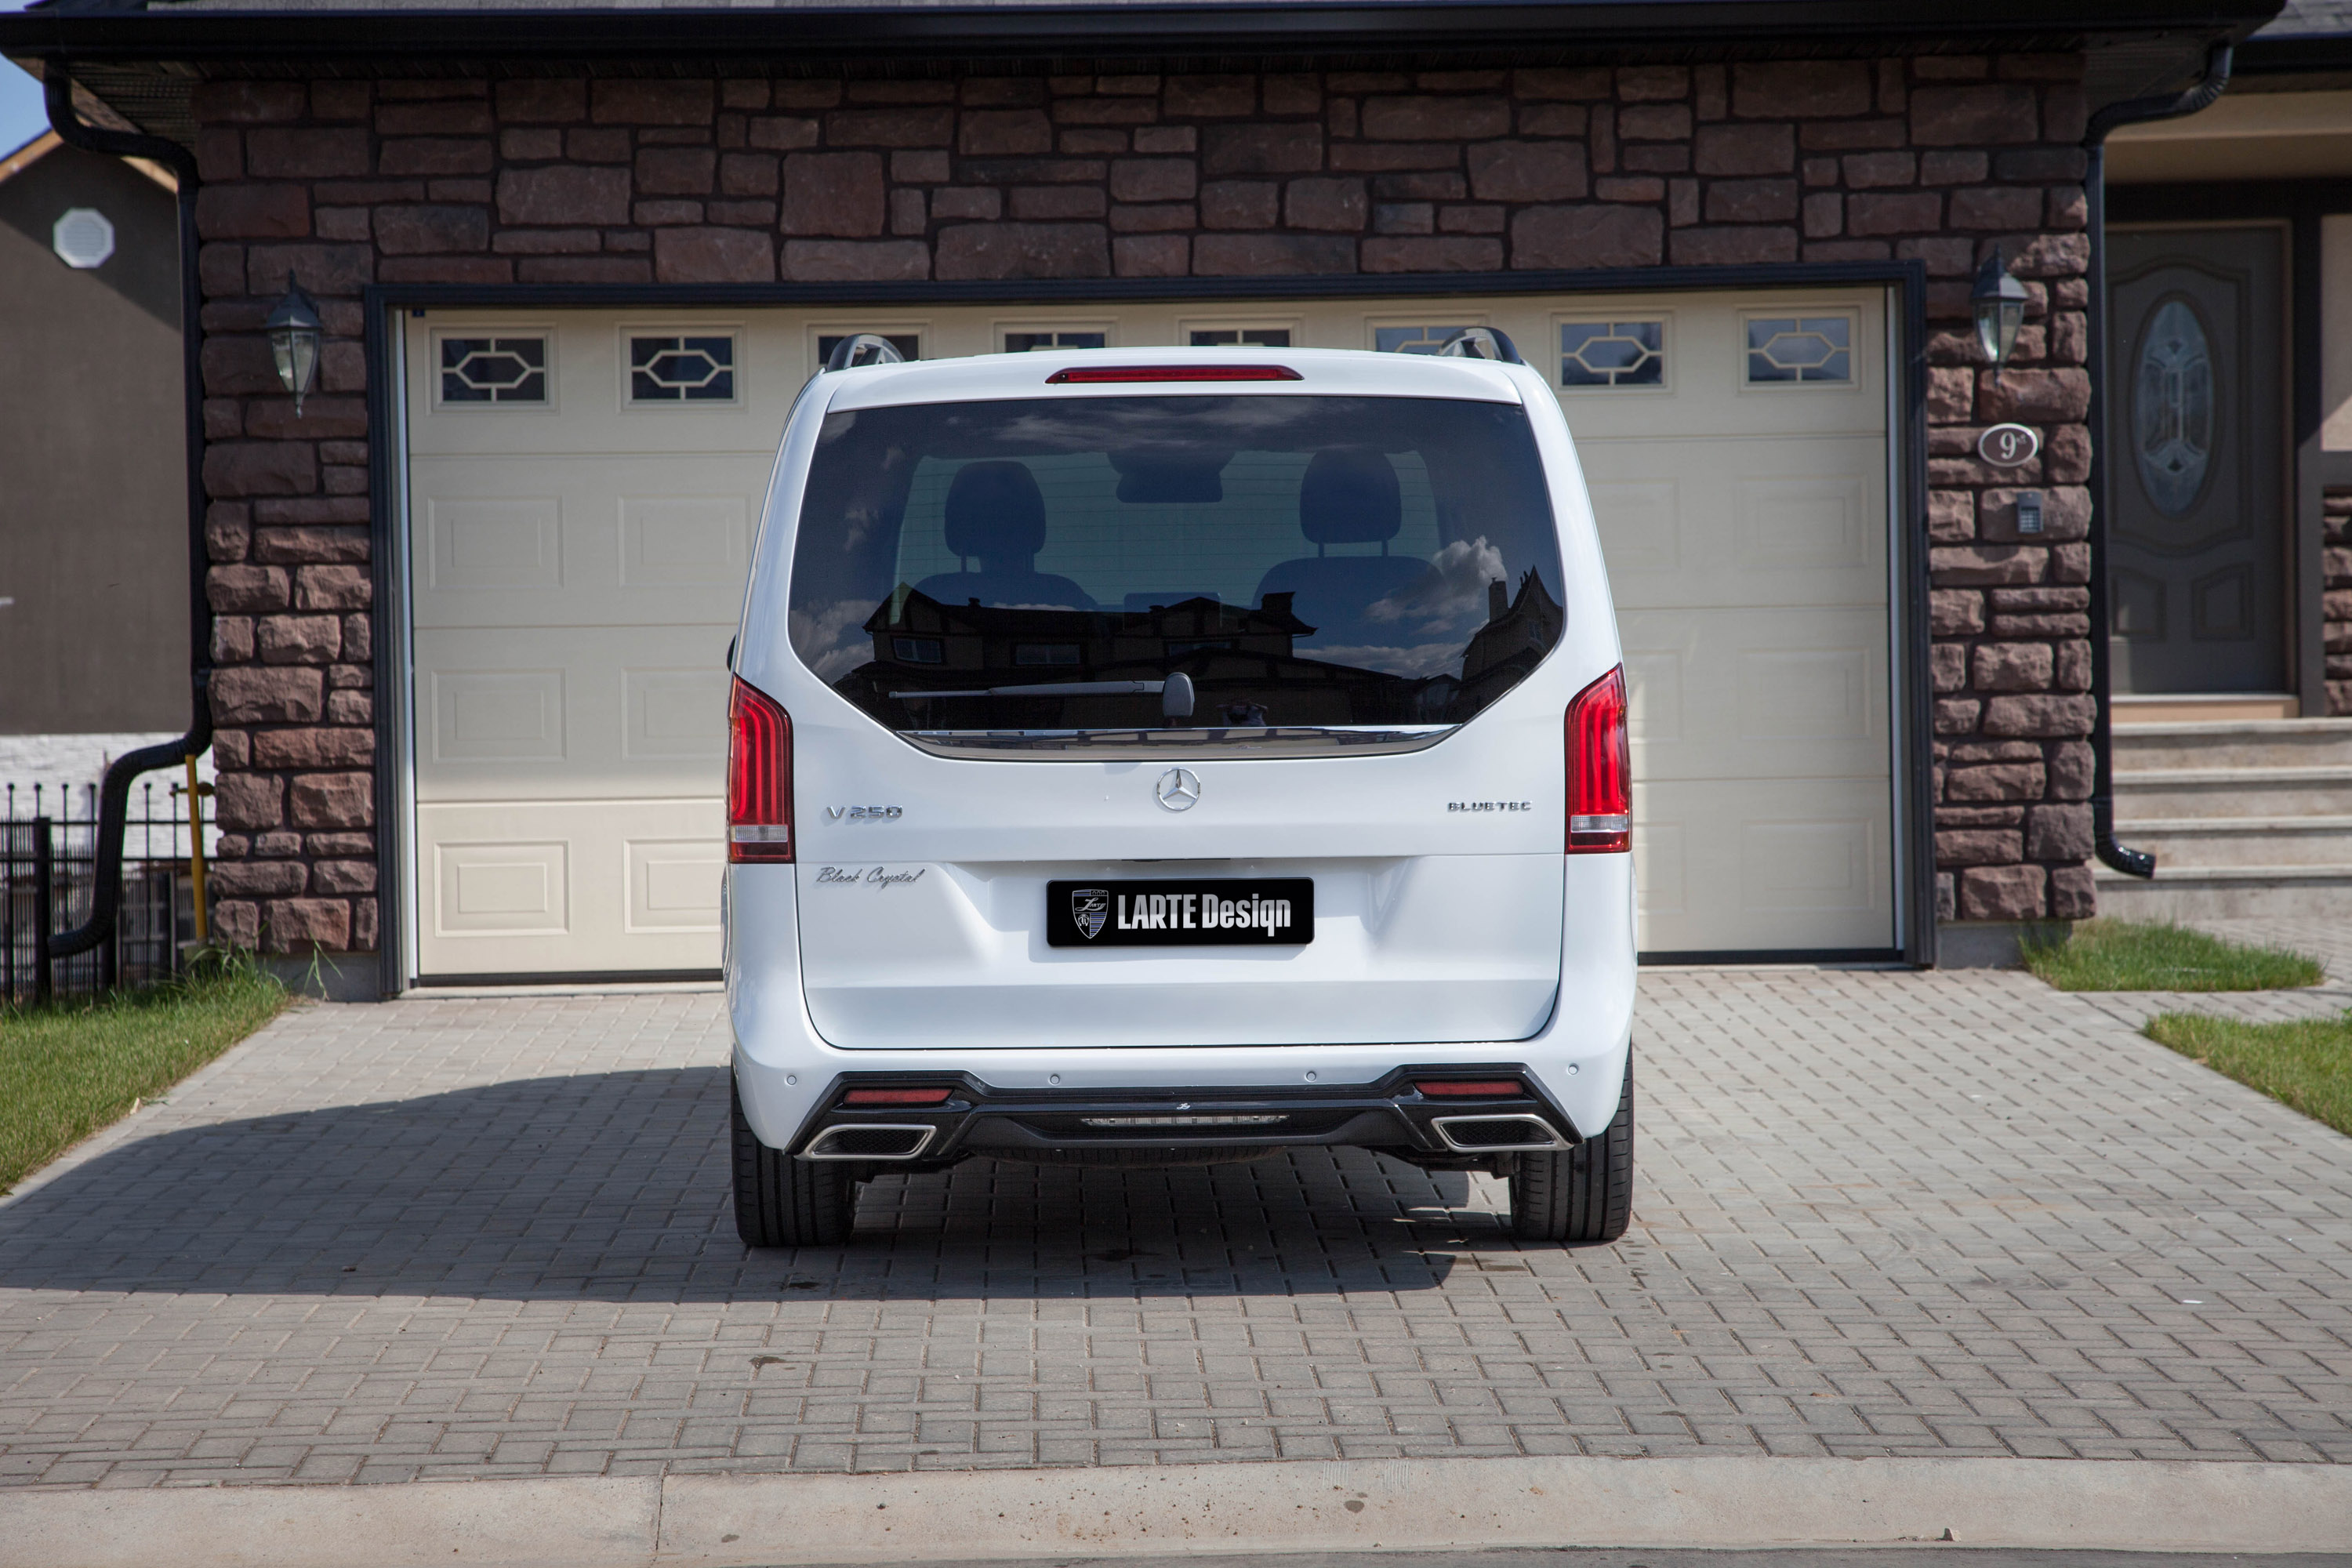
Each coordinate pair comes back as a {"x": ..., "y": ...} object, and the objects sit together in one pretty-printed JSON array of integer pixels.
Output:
[
  {"x": 2137, "y": 955},
  {"x": 68, "y": 1069},
  {"x": 2306, "y": 1064}
]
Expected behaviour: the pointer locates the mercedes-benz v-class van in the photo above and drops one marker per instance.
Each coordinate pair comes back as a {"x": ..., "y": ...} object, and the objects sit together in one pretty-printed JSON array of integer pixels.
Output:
[{"x": 1168, "y": 756}]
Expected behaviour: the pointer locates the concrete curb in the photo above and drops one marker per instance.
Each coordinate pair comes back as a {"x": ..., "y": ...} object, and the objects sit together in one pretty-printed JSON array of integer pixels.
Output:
[{"x": 963, "y": 1516}]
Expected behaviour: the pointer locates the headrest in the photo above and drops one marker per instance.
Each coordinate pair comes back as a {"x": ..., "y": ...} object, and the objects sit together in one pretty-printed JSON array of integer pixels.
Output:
[
  {"x": 1349, "y": 497},
  {"x": 996, "y": 511}
]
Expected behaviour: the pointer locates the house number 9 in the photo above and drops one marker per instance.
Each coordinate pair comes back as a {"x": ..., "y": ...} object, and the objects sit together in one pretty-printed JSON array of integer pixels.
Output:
[{"x": 2009, "y": 445}]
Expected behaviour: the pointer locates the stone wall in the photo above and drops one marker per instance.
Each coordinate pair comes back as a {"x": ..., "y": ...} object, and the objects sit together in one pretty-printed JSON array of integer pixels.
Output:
[
  {"x": 552, "y": 180},
  {"x": 2336, "y": 583}
]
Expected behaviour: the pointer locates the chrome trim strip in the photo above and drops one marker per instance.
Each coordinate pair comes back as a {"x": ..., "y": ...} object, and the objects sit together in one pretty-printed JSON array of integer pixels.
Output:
[{"x": 1179, "y": 744}]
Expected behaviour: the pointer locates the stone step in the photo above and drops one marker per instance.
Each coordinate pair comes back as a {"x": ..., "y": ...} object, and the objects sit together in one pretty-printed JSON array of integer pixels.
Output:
[
  {"x": 2227, "y": 892},
  {"x": 2204, "y": 706},
  {"x": 2154, "y": 793},
  {"x": 2251, "y": 743},
  {"x": 2188, "y": 842}
]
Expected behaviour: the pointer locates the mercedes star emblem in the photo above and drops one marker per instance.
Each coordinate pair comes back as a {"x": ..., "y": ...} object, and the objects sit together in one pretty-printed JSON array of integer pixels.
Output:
[{"x": 1179, "y": 789}]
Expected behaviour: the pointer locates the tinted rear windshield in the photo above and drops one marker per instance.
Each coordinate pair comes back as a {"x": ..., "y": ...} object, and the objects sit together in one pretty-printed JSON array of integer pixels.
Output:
[{"x": 1041, "y": 571}]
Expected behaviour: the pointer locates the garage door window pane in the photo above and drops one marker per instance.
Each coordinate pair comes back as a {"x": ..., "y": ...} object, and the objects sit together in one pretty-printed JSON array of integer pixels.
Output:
[
  {"x": 682, "y": 370},
  {"x": 1030, "y": 342},
  {"x": 494, "y": 370},
  {"x": 1613, "y": 353},
  {"x": 1241, "y": 337},
  {"x": 909, "y": 345},
  {"x": 1800, "y": 349},
  {"x": 1411, "y": 339}
]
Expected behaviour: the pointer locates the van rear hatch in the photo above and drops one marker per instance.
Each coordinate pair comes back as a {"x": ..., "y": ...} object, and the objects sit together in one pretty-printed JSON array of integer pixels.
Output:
[{"x": 1177, "y": 720}]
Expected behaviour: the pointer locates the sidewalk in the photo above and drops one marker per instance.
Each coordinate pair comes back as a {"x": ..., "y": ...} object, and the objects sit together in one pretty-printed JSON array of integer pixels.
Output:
[{"x": 1421, "y": 1506}]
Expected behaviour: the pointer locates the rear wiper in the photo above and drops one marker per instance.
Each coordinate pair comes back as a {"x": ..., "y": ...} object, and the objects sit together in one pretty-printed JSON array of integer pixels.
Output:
[{"x": 1175, "y": 692}]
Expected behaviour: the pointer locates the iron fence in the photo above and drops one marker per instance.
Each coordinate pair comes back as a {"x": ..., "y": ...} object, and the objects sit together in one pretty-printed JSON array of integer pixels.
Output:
[{"x": 47, "y": 842}]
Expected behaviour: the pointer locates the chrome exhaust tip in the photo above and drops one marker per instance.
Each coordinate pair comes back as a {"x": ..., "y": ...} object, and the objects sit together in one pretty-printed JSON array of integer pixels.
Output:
[
  {"x": 871, "y": 1140},
  {"x": 1498, "y": 1134}
]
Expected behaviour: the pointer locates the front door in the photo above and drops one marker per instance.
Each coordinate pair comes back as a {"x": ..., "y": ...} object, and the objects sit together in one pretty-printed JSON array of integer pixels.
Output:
[{"x": 2196, "y": 570}]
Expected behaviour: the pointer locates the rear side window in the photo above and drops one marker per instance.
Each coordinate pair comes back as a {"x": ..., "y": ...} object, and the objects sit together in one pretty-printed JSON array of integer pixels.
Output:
[{"x": 1305, "y": 564}]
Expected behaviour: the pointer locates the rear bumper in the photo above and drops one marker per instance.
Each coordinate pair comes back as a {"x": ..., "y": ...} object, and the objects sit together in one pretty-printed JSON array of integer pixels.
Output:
[
  {"x": 788, "y": 1072},
  {"x": 983, "y": 1120}
]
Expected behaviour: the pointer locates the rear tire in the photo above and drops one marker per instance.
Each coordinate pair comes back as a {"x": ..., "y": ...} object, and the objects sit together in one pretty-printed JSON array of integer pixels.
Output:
[
  {"x": 783, "y": 1202},
  {"x": 1580, "y": 1195}
]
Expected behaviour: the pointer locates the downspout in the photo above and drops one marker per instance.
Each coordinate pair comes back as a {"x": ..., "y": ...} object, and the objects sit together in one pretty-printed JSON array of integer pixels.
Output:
[
  {"x": 115, "y": 795},
  {"x": 2133, "y": 111}
]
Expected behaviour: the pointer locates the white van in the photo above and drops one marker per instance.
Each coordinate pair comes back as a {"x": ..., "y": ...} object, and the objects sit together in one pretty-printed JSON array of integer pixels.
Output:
[{"x": 1168, "y": 756}]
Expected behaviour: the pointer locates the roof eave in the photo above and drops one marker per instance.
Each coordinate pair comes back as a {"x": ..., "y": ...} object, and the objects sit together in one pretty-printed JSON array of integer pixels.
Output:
[{"x": 1106, "y": 30}]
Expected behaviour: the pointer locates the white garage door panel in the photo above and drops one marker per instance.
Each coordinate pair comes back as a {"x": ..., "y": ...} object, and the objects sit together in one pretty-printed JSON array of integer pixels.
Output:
[
  {"x": 529, "y": 887},
  {"x": 1783, "y": 695},
  {"x": 576, "y": 712},
  {"x": 1763, "y": 866},
  {"x": 587, "y": 409},
  {"x": 1798, "y": 521},
  {"x": 577, "y": 557},
  {"x": 607, "y": 541}
]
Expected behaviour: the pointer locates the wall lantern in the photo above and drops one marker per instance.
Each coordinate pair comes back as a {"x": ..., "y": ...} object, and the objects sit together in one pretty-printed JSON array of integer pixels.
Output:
[
  {"x": 1999, "y": 300},
  {"x": 294, "y": 326}
]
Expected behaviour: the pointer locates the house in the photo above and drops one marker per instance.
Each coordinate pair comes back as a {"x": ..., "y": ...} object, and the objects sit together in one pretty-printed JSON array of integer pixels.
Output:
[
  {"x": 2229, "y": 265},
  {"x": 472, "y": 606},
  {"x": 93, "y": 525}
]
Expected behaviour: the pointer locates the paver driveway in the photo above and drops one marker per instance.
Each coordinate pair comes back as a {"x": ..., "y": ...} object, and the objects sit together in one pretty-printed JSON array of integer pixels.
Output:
[{"x": 1879, "y": 1213}]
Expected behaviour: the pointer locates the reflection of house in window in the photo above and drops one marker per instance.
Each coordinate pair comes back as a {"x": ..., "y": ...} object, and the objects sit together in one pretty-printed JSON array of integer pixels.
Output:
[
  {"x": 1240, "y": 659},
  {"x": 1045, "y": 653},
  {"x": 1517, "y": 634}
]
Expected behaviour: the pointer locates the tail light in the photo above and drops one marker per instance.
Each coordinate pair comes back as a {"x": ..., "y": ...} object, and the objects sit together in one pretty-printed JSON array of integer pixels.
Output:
[
  {"x": 1086, "y": 374},
  {"x": 1478, "y": 1089},
  {"x": 759, "y": 777},
  {"x": 1600, "y": 772}
]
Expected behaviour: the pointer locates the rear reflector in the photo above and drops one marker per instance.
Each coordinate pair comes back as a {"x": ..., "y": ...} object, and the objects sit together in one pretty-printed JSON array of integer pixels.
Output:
[
  {"x": 1600, "y": 772},
  {"x": 759, "y": 777},
  {"x": 1486, "y": 1087},
  {"x": 895, "y": 1096},
  {"x": 1092, "y": 373}
]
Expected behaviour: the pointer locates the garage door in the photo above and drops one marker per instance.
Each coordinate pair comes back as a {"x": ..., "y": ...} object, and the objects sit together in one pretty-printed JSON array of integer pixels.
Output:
[
  {"x": 1744, "y": 511},
  {"x": 583, "y": 487}
]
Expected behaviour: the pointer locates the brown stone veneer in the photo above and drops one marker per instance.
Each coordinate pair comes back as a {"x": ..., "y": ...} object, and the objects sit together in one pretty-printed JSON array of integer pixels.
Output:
[{"x": 644, "y": 181}]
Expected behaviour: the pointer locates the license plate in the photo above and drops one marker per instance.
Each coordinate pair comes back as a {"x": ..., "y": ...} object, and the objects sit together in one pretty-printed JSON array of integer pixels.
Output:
[{"x": 1276, "y": 912}]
